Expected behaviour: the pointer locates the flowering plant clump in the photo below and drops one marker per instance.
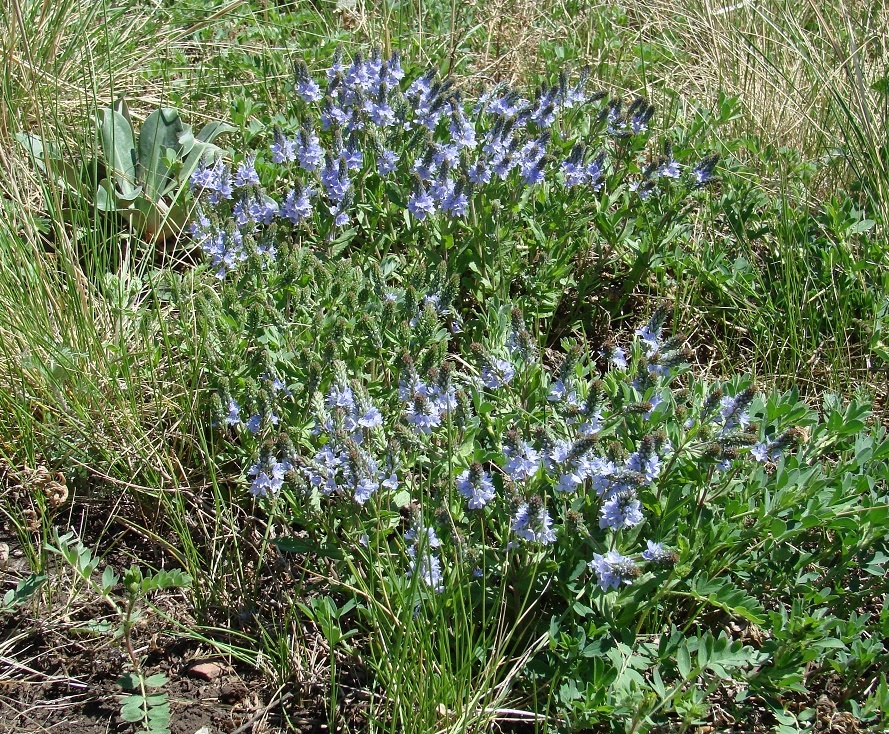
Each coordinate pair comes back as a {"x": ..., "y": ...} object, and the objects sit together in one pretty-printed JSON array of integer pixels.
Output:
[
  {"x": 434, "y": 443},
  {"x": 528, "y": 460},
  {"x": 384, "y": 163}
]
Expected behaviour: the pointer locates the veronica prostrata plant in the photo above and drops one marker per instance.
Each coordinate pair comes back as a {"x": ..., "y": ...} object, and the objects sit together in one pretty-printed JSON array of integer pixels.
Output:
[
  {"x": 509, "y": 190},
  {"x": 443, "y": 465},
  {"x": 622, "y": 536}
]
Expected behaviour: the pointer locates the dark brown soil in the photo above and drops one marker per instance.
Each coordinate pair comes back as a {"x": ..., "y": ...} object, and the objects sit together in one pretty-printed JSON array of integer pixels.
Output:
[{"x": 53, "y": 681}]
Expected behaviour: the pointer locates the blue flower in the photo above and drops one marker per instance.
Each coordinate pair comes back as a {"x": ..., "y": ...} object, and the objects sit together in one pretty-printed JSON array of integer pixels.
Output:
[
  {"x": 733, "y": 410},
  {"x": 479, "y": 172},
  {"x": 262, "y": 210},
  {"x": 461, "y": 130},
  {"x": 651, "y": 338},
  {"x": 656, "y": 553},
  {"x": 391, "y": 73},
  {"x": 353, "y": 157},
  {"x": 613, "y": 569},
  {"x": 335, "y": 179},
  {"x": 309, "y": 152},
  {"x": 364, "y": 489},
  {"x": 476, "y": 486},
  {"x": 309, "y": 90},
  {"x": 340, "y": 215},
  {"x": 533, "y": 526},
  {"x": 418, "y": 535},
  {"x": 532, "y": 174},
  {"x": 424, "y": 414},
  {"x": 425, "y": 167},
  {"x": 502, "y": 164},
  {"x": 225, "y": 248},
  {"x": 333, "y": 116},
  {"x": 524, "y": 461},
  {"x": 305, "y": 86},
  {"x": 341, "y": 396},
  {"x": 372, "y": 418},
  {"x": 669, "y": 169},
  {"x": 423, "y": 563},
  {"x": 618, "y": 357},
  {"x": 621, "y": 510},
  {"x": 420, "y": 203},
  {"x": 268, "y": 476},
  {"x": 509, "y": 105},
  {"x": 446, "y": 154},
  {"x": 215, "y": 179},
  {"x": 456, "y": 203},
  {"x": 442, "y": 188},
  {"x": 640, "y": 113},
  {"x": 428, "y": 568},
  {"x": 246, "y": 174},
  {"x": 703, "y": 172},
  {"x": 497, "y": 374},
  {"x": 596, "y": 172},
  {"x": 233, "y": 417},
  {"x": 422, "y": 87},
  {"x": 297, "y": 206},
  {"x": 644, "y": 188},
  {"x": 386, "y": 162},
  {"x": 283, "y": 150},
  {"x": 645, "y": 461},
  {"x": 575, "y": 174}
]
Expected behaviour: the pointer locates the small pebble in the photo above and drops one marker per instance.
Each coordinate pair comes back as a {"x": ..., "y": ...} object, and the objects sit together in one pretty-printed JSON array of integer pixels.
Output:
[{"x": 205, "y": 671}]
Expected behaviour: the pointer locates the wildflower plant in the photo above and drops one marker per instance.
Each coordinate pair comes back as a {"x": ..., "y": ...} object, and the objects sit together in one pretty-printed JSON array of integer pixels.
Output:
[
  {"x": 443, "y": 472},
  {"x": 591, "y": 515},
  {"x": 375, "y": 160}
]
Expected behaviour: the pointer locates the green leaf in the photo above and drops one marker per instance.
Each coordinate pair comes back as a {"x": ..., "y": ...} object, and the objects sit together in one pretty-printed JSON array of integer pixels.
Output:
[
  {"x": 211, "y": 130},
  {"x": 298, "y": 545},
  {"x": 24, "y": 589},
  {"x": 129, "y": 681},
  {"x": 119, "y": 148},
  {"x": 160, "y": 131},
  {"x": 133, "y": 708},
  {"x": 109, "y": 579},
  {"x": 723, "y": 594},
  {"x": 105, "y": 198},
  {"x": 683, "y": 662},
  {"x": 156, "y": 681},
  {"x": 95, "y": 627},
  {"x": 174, "y": 579}
]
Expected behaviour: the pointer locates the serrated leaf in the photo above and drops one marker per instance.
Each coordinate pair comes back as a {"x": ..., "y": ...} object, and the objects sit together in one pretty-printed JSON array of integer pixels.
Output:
[{"x": 156, "y": 681}]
